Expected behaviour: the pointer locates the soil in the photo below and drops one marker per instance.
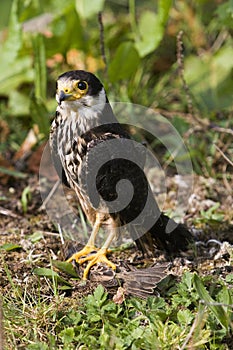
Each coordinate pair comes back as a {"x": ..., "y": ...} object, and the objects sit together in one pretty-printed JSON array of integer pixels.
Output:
[{"x": 30, "y": 239}]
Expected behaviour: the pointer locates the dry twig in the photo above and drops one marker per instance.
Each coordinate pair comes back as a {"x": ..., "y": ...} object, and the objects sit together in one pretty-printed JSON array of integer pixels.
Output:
[
  {"x": 102, "y": 46},
  {"x": 223, "y": 154},
  {"x": 7, "y": 212}
]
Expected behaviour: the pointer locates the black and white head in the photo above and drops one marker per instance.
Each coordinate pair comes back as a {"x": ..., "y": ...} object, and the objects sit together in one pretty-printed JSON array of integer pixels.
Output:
[
  {"x": 82, "y": 98},
  {"x": 79, "y": 89}
]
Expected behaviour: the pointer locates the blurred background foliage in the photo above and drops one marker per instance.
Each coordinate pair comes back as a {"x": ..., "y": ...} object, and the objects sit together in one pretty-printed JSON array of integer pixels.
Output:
[{"x": 41, "y": 39}]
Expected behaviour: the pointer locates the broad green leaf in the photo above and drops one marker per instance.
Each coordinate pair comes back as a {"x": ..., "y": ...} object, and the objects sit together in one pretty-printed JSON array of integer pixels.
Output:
[
  {"x": 13, "y": 43},
  {"x": 87, "y": 9},
  {"x": 5, "y": 7},
  {"x": 225, "y": 297},
  {"x": 18, "y": 103},
  {"x": 151, "y": 28},
  {"x": 14, "y": 74},
  {"x": 13, "y": 70},
  {"x": 65, "y": 267},
  {"x": 125, "y": 62},
  {"x": 36, "y": 236},
  {"x": 209, "y": 78},
  {"x": 99, "y": 293},
  {"x": 37, "y": 346},
  {"x": 137, "y": 333},
  {"x": 151, "y": 32},
  {"x": 217, "y": 310},
  {"x": 229, "y": 278},
  {"x": 68, "y": 32},
  {"x": 45, "y": 272},
  {"x": 225, "y": 13},
  {"x": 10, "y": 246},
  {"x": 67, "y": 335},
  {"x": 93, "y": 318}
]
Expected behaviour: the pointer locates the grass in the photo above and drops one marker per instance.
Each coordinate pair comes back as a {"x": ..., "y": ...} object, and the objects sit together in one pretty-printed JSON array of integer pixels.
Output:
[
  {"x": 186, "y": 316},
  {"x": 40, "y": 311}
]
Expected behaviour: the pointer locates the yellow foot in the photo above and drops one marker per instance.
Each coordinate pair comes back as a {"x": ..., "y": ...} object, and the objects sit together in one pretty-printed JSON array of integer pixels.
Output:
[
  {"x": 82, "y": 253},
  {"x": 94, "y": 258},
  {"x": 99, "y": 257}
]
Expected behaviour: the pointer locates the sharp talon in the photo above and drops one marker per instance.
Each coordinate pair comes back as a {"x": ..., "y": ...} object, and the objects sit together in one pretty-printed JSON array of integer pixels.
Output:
[
  {"x": 83, "y": 252},
  {"x": 94, "y": 258},
  {"x": 99, "y": 257}
]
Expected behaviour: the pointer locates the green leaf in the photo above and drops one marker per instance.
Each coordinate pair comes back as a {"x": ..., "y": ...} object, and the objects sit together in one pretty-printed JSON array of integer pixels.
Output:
[
  {"x": 39, "y": 114},
  {"x": 10, "y": 246},
  {"x": 217, "y": 310},
  {"x": 18, "y": 72},
  {"x": 185, "y": 317},
  {"x": 151, "y": 28},
  {"x": 94, "y": 318},
  {"x": 12, "y": 45},
  {"x": 151, "y": 33},
  {"x": 225, "y": 297},
  {"x": 163, "y": 10},
  {"x": 13, "y": 69},
  {"x": 37, "y": 346},
  {"x": 137, "y": 333},
  {"x": 125, "y": 62},
  {"x": 67, "y": 335},
  {"x": 45, "y": 272},
  {"x": 49, "y": 273},
  {"x": 99, "y": 293},
  {"x": 18, "y": 103},
  {"x": 229, "y": 278},
  {"x": 36, "y": 236},
  {"x": 66, "y": 267},
  {"x": 87, "y": 9},
  {"x": 225, "y": 13},
  {"x": 209, "y": 78}
]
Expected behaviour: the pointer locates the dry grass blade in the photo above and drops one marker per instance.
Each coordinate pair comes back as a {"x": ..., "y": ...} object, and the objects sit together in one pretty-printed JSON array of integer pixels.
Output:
[{"x": 7, "y": 212}]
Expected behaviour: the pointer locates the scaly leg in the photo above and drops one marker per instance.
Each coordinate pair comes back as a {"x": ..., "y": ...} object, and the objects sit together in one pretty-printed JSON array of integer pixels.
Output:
[
  {"x": 100, "y": 256},
  {"x": 90, "y": 246}
]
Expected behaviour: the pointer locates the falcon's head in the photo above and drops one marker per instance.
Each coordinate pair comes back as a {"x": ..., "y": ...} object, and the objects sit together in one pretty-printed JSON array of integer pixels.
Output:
[{"x": 77, "y": 89}]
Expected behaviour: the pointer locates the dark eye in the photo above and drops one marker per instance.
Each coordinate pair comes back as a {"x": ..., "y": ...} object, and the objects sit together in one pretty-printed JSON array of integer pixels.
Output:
[{"x": 82, "y": 85}]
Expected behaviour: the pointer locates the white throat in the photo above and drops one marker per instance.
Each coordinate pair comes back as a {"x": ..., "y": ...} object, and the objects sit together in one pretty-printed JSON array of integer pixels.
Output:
[{"x": 86, "y": 112}]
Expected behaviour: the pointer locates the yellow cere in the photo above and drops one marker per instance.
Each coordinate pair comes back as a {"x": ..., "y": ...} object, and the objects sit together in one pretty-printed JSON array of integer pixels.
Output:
[{"x": 75, "y": 88}]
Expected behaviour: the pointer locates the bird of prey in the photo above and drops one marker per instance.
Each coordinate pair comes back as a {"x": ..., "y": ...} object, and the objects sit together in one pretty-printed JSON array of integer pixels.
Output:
[{"x": 96, "y": 157}]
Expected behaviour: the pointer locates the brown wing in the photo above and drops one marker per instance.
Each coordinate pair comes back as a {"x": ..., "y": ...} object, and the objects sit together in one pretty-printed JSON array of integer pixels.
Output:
[
  {"x": 100, "y": 160},
  {"x": 112, "y": 157},
  {"x": 113, "y": 176}
]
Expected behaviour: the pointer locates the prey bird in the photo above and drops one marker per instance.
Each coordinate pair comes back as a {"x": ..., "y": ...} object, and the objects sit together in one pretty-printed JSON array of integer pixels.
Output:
[{"x": 93, "y": 154}]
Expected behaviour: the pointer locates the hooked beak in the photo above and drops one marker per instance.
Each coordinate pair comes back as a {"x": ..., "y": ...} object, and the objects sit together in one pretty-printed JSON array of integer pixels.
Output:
[{"x": 63, "y": 97}]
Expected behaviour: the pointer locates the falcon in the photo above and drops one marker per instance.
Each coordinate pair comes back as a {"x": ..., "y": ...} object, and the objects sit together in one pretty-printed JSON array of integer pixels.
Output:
[{"x": 95, "y": 156}]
